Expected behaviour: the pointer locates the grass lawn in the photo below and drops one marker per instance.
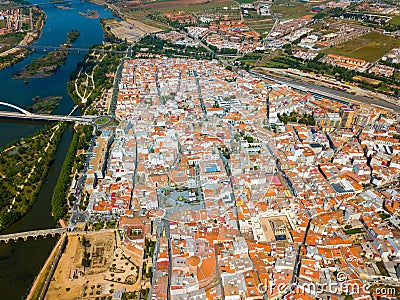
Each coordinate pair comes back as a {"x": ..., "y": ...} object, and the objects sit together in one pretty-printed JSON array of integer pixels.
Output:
[
  {"x": 102, "y": 121},
  {"x": 251, "y": 58},
  {"x": 371, "y": 46},
  {"x": 353, "y": 231},
  {"x": 397, "y": 75},
  {"x": 383, "y": 215}
]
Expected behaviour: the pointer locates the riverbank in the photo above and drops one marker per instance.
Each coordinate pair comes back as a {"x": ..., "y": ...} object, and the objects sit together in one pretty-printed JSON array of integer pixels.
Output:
[
  {"x": 94, "y": 77},
  {"x": 40, "y": 279},
  {"x": 115, "y": 11},
  {"x": 17, "y": 53},
  {"x": 137, "y": 14},
  {"x": 21, "y": 261}
]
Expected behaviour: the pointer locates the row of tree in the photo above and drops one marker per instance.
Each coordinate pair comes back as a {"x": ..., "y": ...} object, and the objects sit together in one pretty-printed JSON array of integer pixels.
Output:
[
  {"x": 80, "y": 140},
  {"x": 58, "y": 200}
]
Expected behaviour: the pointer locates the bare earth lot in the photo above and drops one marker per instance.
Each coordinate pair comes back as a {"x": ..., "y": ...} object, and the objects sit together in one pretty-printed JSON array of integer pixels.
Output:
[
  {"x": 131, "y": 30},
  {"x": 109, "y": 270}
]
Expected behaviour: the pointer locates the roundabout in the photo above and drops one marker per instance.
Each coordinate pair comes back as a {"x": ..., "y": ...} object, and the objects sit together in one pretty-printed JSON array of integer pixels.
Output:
[{"x": 102, "y": 120}]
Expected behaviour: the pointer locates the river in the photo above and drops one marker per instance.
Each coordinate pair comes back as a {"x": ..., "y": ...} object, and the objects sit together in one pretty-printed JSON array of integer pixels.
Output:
[{"x": 20, "y": 262}]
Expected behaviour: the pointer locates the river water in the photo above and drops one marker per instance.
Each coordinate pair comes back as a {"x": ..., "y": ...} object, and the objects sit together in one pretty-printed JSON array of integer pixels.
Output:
[{"x": 21, "y": 261}]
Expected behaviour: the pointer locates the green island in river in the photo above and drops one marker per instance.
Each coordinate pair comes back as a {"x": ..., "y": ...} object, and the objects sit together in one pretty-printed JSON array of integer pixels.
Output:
[
  {"x": 73, "y": 35},
  {"x": 47, "y": 65},
  {"x": 23, "y": 168},
  {"x": 44, "y": 105},
  {"x": 24, "y": 165}
]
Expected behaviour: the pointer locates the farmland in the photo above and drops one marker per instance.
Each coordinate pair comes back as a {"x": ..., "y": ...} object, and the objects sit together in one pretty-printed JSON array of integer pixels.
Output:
[
  {"x": 188, "y": 5},
  {"x": 291, "y": 10}
]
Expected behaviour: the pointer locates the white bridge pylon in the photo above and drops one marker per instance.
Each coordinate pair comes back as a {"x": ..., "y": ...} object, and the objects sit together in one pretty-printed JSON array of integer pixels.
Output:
[{"x": 25, "y": 112}]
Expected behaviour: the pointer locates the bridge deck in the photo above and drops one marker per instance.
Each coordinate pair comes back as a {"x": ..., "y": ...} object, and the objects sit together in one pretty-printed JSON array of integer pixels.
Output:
[
  {"x": 44, "y": 232},
  {"x": 8, "y": 114},
  {"x": 34, "y": 233}
]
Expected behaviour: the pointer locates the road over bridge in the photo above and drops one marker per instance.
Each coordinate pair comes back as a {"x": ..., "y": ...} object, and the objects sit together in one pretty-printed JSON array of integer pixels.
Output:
[
  {"x": 24, "y": 114},
  {"x": 46, "y": 232},
  {"x": 35, "y": 234},
  {"x": 39, "y": 117},
  {"x": 64, "y": 48}
]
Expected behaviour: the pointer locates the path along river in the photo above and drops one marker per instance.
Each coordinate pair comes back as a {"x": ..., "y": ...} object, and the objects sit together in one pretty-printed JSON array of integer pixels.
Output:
[{"x": 20, "y": 262}]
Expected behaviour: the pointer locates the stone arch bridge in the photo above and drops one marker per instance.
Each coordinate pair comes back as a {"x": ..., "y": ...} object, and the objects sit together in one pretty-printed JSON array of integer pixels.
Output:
[{"x": 35, "y": 234}]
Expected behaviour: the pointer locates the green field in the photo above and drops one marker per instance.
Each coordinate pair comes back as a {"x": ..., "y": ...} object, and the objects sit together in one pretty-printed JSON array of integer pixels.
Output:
[
  {"x": 209, "y": 6},
  {"x": 292, "y": 10},
  {"x": 233, "y": 14},
  {"x": 370, "y": 47},
  {"x": 12, "y": 38},
  {"x": 395, "y": 20},
  {"x": 200, "y": 7},
  {"x": 260, "y": 26}
]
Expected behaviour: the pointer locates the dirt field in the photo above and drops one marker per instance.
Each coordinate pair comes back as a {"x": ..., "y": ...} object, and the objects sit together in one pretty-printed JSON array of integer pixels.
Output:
[
  {"x": 108, "y": 269},
  {"x": 131, "y": 30},
  {"x": 367, "y": 80}
]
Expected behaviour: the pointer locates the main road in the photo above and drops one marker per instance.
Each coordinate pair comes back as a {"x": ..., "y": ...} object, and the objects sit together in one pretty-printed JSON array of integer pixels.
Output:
[{"x": 329, "y": 93}]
